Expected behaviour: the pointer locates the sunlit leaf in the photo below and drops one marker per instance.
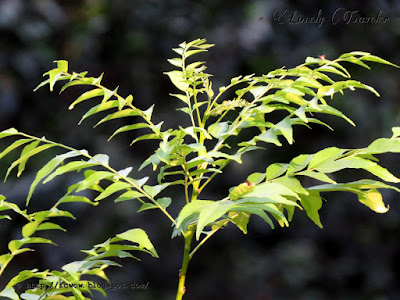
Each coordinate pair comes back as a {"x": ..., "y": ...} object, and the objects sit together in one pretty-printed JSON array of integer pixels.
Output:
[{"x": 373, "y": 199}]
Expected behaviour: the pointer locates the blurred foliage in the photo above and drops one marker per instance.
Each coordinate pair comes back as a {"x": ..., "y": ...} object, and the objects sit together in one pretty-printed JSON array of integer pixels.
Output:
[{"x": 353, "y": 257}]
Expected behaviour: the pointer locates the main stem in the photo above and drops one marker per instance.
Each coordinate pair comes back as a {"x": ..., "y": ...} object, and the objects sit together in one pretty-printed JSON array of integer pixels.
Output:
[{"x": 186, "y": 258}]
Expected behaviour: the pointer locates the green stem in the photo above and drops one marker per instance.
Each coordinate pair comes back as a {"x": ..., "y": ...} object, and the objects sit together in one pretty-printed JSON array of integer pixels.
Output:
[
  {"x": 186, "y": 258},
  {"x": 186, "y": 178}
]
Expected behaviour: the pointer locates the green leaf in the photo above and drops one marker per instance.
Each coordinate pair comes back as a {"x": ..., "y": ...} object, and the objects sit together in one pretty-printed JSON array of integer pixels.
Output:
[
  {"x": 356, "y": 84},
  {"x": 275, "y": 199},
  {"x": 77, "y": 268},
  {"x": 95, "y": 177},
  {"x": 312, "y": 203},
  {"x": 130, "y": 195},
  {"x": 9, "y": 293},
  {"x": 8, "y": 132},
  {"x": 285, "y": 127},
  {"x": 345, "y": 163},
  {"x": 256, "y": 178},
  {"x": 298, "y": 163},
  {"x": 111, "y": 189},
  {"x": 5, "y": 258},
  {"x": 396, "y": 132},
  {"x": 334, "y": 70},
  {"x": 24, "y": 275},
  {"x": 13, "y": 146},
  {"x": 317, "y": 175},
  {"x": 382, "y": 173},
  {"x": 75, "y": 198},
  {"x": 377, "y": 59},
  {"x": 325, "y": 156},
  {"x": 99, "y": 108},
  {"x": 258, "y": 91},
  {"x": 180, "y": 97},
  {"x": 25, "y": 151},
  {"x": 191, "y": 208},
  {"x": 22, "y": 250},
  {"x": 54, "y": 76},
  {"x": 74, "y": 268},
  {"x": 69, "y": 167},
  {"x": 163, "y": 202},
  {"x": 49, "y": 167},
  {"x": 383, "y": 145},
  {"x": 354, "y": 60},
  {"x": 43, "y": 83},
  {"x": 62, "y": 65},
  {"x": 253, "y": 210},
  {"x": 53, "y": 297},
  {"x": 354, "y": 186},
  {"x": 148, "y": 112},
  {"x": 139, "y": 182},
  {"x": 29, "y": 229},
  {"x": 177, "y": 62},
  {"x": 119, "y": 114},
  {"x": 87, "y": 95},
  {"x": 4, "y": 205},
  {"x": 212, "y": 212},
  {"x": 154, "y": 190},
  {"x": 54, "y": 212},
  {"x": 373, "y": 199},
  {"x": 271, "y": 188},
  {"x": 16, "y": 244},
  {"x": 218, "y": 154},
  {"x": 178, "y": 79},
  {"x": 25, "y": 157},
  {"x": 79, "y": 81},
  {"x": 192, "y": 52},
  {"x": 108, "y": 94},
  {"x": 326, "y": 109},
  {"x": 151, "y": 136},
  {"x": 219, "y": 129},
  {"x": 301, "y": 113},
  {"x": 240, "y": 219},
  {"x": 270, "y": 137},
  {"x": 274, "y": 211},
  {"x": 49, "y": 226},
  {"x": 5, "y": 217},
  {"x": 292, "y": 183},
  {"x": 192, "y": 66},
  {"x": 275, "y": 170},
  {"x": 128, "y": 128},
  {"x": 140, "y": 237}
]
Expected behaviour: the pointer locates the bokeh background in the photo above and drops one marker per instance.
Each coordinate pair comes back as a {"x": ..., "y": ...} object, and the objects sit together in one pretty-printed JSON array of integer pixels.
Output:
[{"x": 355, "y": 256}]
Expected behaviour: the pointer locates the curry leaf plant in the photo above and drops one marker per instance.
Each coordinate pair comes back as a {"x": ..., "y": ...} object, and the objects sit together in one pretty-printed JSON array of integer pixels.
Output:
[{"x": 192, "y": 156}]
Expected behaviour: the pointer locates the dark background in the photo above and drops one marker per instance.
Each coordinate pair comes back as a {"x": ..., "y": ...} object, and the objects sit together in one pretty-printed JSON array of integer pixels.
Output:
[{"x": 355, "y": 256}]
